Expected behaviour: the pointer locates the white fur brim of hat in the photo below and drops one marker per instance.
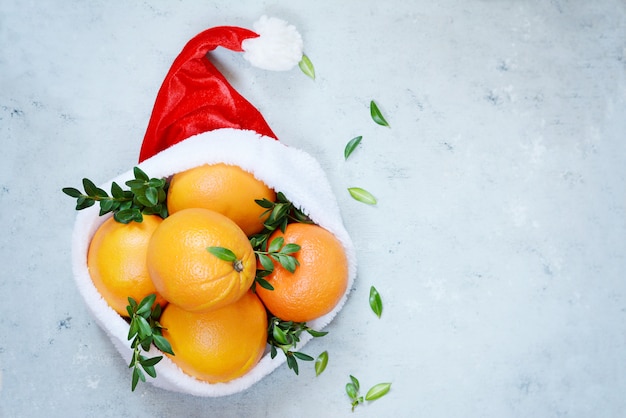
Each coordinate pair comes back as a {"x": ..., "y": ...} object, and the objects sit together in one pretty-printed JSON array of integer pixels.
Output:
[{"x": 291, "y": 171}]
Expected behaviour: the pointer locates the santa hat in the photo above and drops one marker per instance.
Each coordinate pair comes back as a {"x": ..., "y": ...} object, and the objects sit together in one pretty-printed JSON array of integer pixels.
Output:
[
  {"x": 195, "y": 97},
  {"x": 198, "y": 118}
]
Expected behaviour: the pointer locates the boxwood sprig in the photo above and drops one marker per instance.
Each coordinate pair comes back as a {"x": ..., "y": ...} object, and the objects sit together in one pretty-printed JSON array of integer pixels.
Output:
[
  {"x": 285, "y": 335},
  {"x": 279, "y": 214},
  {"x": 144, "y": 331},
  {"x": 147, "y": 196}
]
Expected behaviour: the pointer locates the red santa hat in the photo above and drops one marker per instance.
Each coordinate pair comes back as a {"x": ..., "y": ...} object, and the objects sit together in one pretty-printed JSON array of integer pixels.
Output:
[{"x": 195, "y": 97}]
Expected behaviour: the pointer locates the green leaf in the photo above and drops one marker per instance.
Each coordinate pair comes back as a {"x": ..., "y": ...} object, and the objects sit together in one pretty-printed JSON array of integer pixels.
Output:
[
  {"x": 362, "y": 195},
  {"x": 266, "y": 262},
  {"x": 376, "y": 115},
  {"x": 150, "y": 361},
  {"x": 125, "y": 216},
  {"x": 152, "y": 195},
  {"x": 320, "y": 363},
  {"x": 288, "y": 262},
  {"x": 139, "y": 174},
  {"x": 306, "y": 66},
  {"x": 355, "y": 382},
  {"x": 162, "y": 344},
  {"x": 290, "y": 248},
  {"x": 90, "y": 188},
  {"x": 279, "y": 335},
  {"x": 143, "y": 327},
  {"x": 223, "y": 253},
  {"x": 376, "y": 302},
  {"x": 292, "y": 363},
  {"x": 149, "y": 369},
  {"x": 302, "y": 356},
  {"x": 71, "y": 192},
  {"x": 276, "y": 244},
  {"x": 84, "y": 202},
  {"x": 264, "y": 284},
  {"x": 352, "y": 390},
  {"x": 146, "y": 304},
  {"x": 377, "y": 391},
  {"x": 116, "y": 191},
  {"x": 316, "y": 334},
  {"x": 351, "y": 146}
]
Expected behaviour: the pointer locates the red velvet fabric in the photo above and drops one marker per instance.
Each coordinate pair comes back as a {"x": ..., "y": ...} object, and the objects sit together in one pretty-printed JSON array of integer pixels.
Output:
[{"x": 195, "y": 97}]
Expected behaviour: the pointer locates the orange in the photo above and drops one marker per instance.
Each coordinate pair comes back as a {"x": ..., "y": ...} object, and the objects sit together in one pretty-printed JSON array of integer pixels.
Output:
[
  {"x": 219, "y": 345},
  {"x": 317, "y": 284},
  {"x": 117, "y": 261},
  {"x": 226, "y": 189},
  {"x": 186, "y": 273}
]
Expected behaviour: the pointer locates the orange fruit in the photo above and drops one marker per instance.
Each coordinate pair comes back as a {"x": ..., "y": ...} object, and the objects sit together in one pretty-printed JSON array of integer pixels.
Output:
[
  {"x": 219, "y": 345},
  {"x": 317, "y": 284},
  {"x": 226, "y": 189},
  {"x": 186, "y": 273},
  {"x": 117, "y": 261}
]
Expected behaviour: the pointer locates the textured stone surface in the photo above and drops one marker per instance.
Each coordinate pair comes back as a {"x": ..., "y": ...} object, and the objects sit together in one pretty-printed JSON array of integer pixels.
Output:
[{"x": 498, "y": 243}]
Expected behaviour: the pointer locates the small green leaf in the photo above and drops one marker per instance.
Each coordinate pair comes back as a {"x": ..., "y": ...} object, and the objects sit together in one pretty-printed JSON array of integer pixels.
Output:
[
  {"x": 351, "y": 146},
  {"x": 223, "y": 253},
  {"x": 90, "y": 188},
  {"x": 352, "y": 390},
  {"x": 279, "y": 335},
  {"x": 150, "y": 361},
  {"x": 316, "y": 334},
  {"x": 290, "y": 248},
  {"x": 152, "y": 195},
  {"x": 143, "y": 327},
  {"x": 276, "y": 244},
  {"x": 72, "y": 192},
  {"x": 376, "y": 115},
  {"x": 292, "y": 362},
  {"x": 149, "y": 369},
  {"x": 306, "y": 66},
  {"x": 146, "y": 304},
  {"x": 320, "y": 363},
  {"x": 139, "y": 174},
  {"x": 376, "y": 302},
  {"x": 302, "y": 356},
  {"x": 362, "y": 195},
  {"x": 377, "y": 391},
  {"x": 355, "y": 382},
  {"x": 264, "y": 284},
  {"x": 266, "y": 262},
  {"x": 162, "y": 344},
  {"x": 288, "y": 262}
]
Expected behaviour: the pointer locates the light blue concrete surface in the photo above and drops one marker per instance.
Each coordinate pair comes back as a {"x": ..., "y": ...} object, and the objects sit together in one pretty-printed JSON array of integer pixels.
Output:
[{"x": 498, "y": 243}]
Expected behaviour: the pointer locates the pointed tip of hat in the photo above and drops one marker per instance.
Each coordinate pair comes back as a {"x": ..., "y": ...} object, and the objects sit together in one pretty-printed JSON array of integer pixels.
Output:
[{"x": 279, "y": 46}]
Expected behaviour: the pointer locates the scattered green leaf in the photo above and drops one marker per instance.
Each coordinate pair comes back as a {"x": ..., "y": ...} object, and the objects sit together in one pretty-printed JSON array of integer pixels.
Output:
[
  {"x": 377, "y": 391},
  {"x": 376, "y": 302},
  {"x": 376, "y": 115},
  {"x": 320, "y": 363},
  {"x": 306, "y": 66},
  {"x": 362, "y": 195},
  {"x": 351, "y": 146}
]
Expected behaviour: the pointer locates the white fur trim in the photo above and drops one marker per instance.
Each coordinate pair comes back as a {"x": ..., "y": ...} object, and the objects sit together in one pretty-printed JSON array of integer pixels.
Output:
[
  {"x": 291, "y": 171},
  {"x": 278, "y": 47}
]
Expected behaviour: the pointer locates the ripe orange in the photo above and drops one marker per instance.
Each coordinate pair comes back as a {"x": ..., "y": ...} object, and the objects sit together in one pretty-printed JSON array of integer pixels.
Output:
[
  {"x": 117, "y": 261},
  {"x": 186, "y": 273},
  {"x": 226, "y": 189},
  {"x": 317, "y": 284},
  {"x": 219, "y": 345}
]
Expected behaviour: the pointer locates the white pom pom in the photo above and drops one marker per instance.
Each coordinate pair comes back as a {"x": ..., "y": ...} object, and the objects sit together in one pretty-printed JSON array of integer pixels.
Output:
[{"x": 278, "y": 47}]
